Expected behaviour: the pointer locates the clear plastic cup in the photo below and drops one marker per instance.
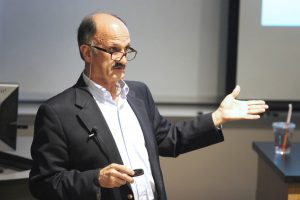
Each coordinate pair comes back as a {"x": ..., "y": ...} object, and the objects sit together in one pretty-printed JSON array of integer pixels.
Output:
[{"x": 283, "y": 134}]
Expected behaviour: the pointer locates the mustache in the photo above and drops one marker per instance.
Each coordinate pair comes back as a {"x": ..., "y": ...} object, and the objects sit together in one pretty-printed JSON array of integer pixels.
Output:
[{"x": 119, "y": 66}]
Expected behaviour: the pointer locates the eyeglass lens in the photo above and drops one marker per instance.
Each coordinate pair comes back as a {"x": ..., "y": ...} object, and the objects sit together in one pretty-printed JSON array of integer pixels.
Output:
[{"x": 130, "y": 55}]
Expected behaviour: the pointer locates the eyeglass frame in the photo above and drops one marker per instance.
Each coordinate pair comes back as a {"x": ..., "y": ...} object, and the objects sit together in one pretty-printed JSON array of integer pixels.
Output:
[{"x": 112, "y": 52}]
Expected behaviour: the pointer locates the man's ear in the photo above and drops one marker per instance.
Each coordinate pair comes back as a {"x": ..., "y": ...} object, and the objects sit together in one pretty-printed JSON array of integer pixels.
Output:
[{"x": 86, "y": 53}]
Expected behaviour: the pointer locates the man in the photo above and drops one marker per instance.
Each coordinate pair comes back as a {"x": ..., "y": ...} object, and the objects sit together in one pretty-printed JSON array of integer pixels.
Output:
[{"x": 88, "y": 139}]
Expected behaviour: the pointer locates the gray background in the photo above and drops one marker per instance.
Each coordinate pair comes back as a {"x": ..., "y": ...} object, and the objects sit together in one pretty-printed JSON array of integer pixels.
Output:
[{"x": 181, "y": 45}]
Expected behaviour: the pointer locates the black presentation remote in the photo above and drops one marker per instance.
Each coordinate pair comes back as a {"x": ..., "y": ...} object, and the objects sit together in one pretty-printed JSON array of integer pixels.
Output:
[{"x": 138, "y": 172}]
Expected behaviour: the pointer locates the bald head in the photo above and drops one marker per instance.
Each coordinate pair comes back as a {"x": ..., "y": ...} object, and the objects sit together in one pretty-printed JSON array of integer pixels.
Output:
[
  {"x": 99, "y": 26},
  {"x": 108, "y": 27}
]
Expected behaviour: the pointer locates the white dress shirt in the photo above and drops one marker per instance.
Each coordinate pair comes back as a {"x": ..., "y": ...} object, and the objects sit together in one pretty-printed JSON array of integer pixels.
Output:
[{"x": 127, "y": 134}]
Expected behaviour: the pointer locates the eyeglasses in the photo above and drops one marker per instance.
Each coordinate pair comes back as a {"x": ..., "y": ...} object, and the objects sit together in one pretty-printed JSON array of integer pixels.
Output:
[{"x": 129, "y": 54}]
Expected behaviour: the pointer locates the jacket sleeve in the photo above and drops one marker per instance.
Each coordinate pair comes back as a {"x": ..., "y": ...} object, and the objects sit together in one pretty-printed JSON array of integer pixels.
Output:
[
  {"x": 50, "y": 176},
  {"x": 174, "y": 139}
]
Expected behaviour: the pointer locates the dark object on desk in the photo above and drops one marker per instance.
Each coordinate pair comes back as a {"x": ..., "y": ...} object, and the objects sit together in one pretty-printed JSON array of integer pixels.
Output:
[
  {"x": 14, "y": 162},
  {"x": 9, "y": 94},
  {"x": 9, "y": 98},
  {"x": 278, "y": 176},
  {"x": 14, "y": 179}
]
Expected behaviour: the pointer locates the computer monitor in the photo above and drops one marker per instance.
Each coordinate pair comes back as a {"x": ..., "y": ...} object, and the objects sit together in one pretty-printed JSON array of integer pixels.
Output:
[{"x": 9, "y": 97}]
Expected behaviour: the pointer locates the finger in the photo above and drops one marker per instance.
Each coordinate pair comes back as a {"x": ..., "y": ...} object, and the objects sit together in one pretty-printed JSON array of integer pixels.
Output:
[
  {"x": 256, "y": 111},
  {"x": 114, "y": 182},
  {"x": 122, "y": 169},
  {"x": 256, "y": 102},
  {"x": 127, "y": 178},
  {"x": 121, "y": 176},
  {"x": 236, "y": 91},
  {"x": 119, "y": 182},
  {"x": 252, "y": 117},
  {"x": 112, "y": 178}
]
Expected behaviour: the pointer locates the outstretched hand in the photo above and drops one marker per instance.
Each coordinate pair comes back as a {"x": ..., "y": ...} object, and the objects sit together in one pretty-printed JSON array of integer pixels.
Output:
[{"x": 232, "y": 109}]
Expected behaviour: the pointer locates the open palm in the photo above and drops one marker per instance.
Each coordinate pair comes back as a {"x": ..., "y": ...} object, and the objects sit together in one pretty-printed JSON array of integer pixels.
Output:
[{"x": 232, "y": 109}]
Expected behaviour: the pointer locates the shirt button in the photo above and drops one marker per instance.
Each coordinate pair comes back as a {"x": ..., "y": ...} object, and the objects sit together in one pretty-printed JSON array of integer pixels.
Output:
[{"x": 129, "y": 196}]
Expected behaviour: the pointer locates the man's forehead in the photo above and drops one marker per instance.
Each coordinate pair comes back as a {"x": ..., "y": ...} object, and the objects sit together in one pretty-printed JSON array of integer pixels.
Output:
[
  {"x": 107, "y": 23},
  {"x": 110, "y": 28},
  {"x": 112, "y": 39},
  {"x": 101, "y": 36}
]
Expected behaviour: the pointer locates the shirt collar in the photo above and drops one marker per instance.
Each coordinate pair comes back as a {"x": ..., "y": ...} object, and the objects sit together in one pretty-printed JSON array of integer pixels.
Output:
[{"x": 101, "y": 92}]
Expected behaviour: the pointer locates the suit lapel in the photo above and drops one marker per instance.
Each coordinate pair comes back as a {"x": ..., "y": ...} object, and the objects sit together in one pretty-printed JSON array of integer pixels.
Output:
[{"x": 92, "y": 118}]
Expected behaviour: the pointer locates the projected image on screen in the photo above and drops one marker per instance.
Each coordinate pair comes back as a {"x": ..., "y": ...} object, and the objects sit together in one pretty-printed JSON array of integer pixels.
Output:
[
  {"x": 280, "y": 13},
  {"x": 268, "y": 56}
]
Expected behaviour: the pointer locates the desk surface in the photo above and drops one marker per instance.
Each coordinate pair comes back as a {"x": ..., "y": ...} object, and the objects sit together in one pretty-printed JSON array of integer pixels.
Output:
[{"x": 287, "y": 167}]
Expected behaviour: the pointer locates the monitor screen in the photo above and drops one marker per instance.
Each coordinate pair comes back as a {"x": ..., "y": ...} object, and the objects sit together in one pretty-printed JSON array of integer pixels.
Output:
[{"x": 8, "y": 113}]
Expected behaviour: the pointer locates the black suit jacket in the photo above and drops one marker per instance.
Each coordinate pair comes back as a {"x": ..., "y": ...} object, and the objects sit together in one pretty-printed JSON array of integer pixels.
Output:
[{"x": 67, "y": 160}]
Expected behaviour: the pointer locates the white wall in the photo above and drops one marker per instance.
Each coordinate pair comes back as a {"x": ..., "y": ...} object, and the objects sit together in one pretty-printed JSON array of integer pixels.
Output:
[
  {"x": 181, "y": 45},
  {"x": 1, "y": 26}
]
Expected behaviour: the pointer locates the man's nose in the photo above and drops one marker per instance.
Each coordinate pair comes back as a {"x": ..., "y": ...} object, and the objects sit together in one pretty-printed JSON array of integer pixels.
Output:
[{"x": 124, "y": 60}]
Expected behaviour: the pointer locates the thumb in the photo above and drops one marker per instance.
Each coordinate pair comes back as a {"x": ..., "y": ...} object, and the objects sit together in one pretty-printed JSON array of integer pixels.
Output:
[{"x": 236, "y": 91}]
